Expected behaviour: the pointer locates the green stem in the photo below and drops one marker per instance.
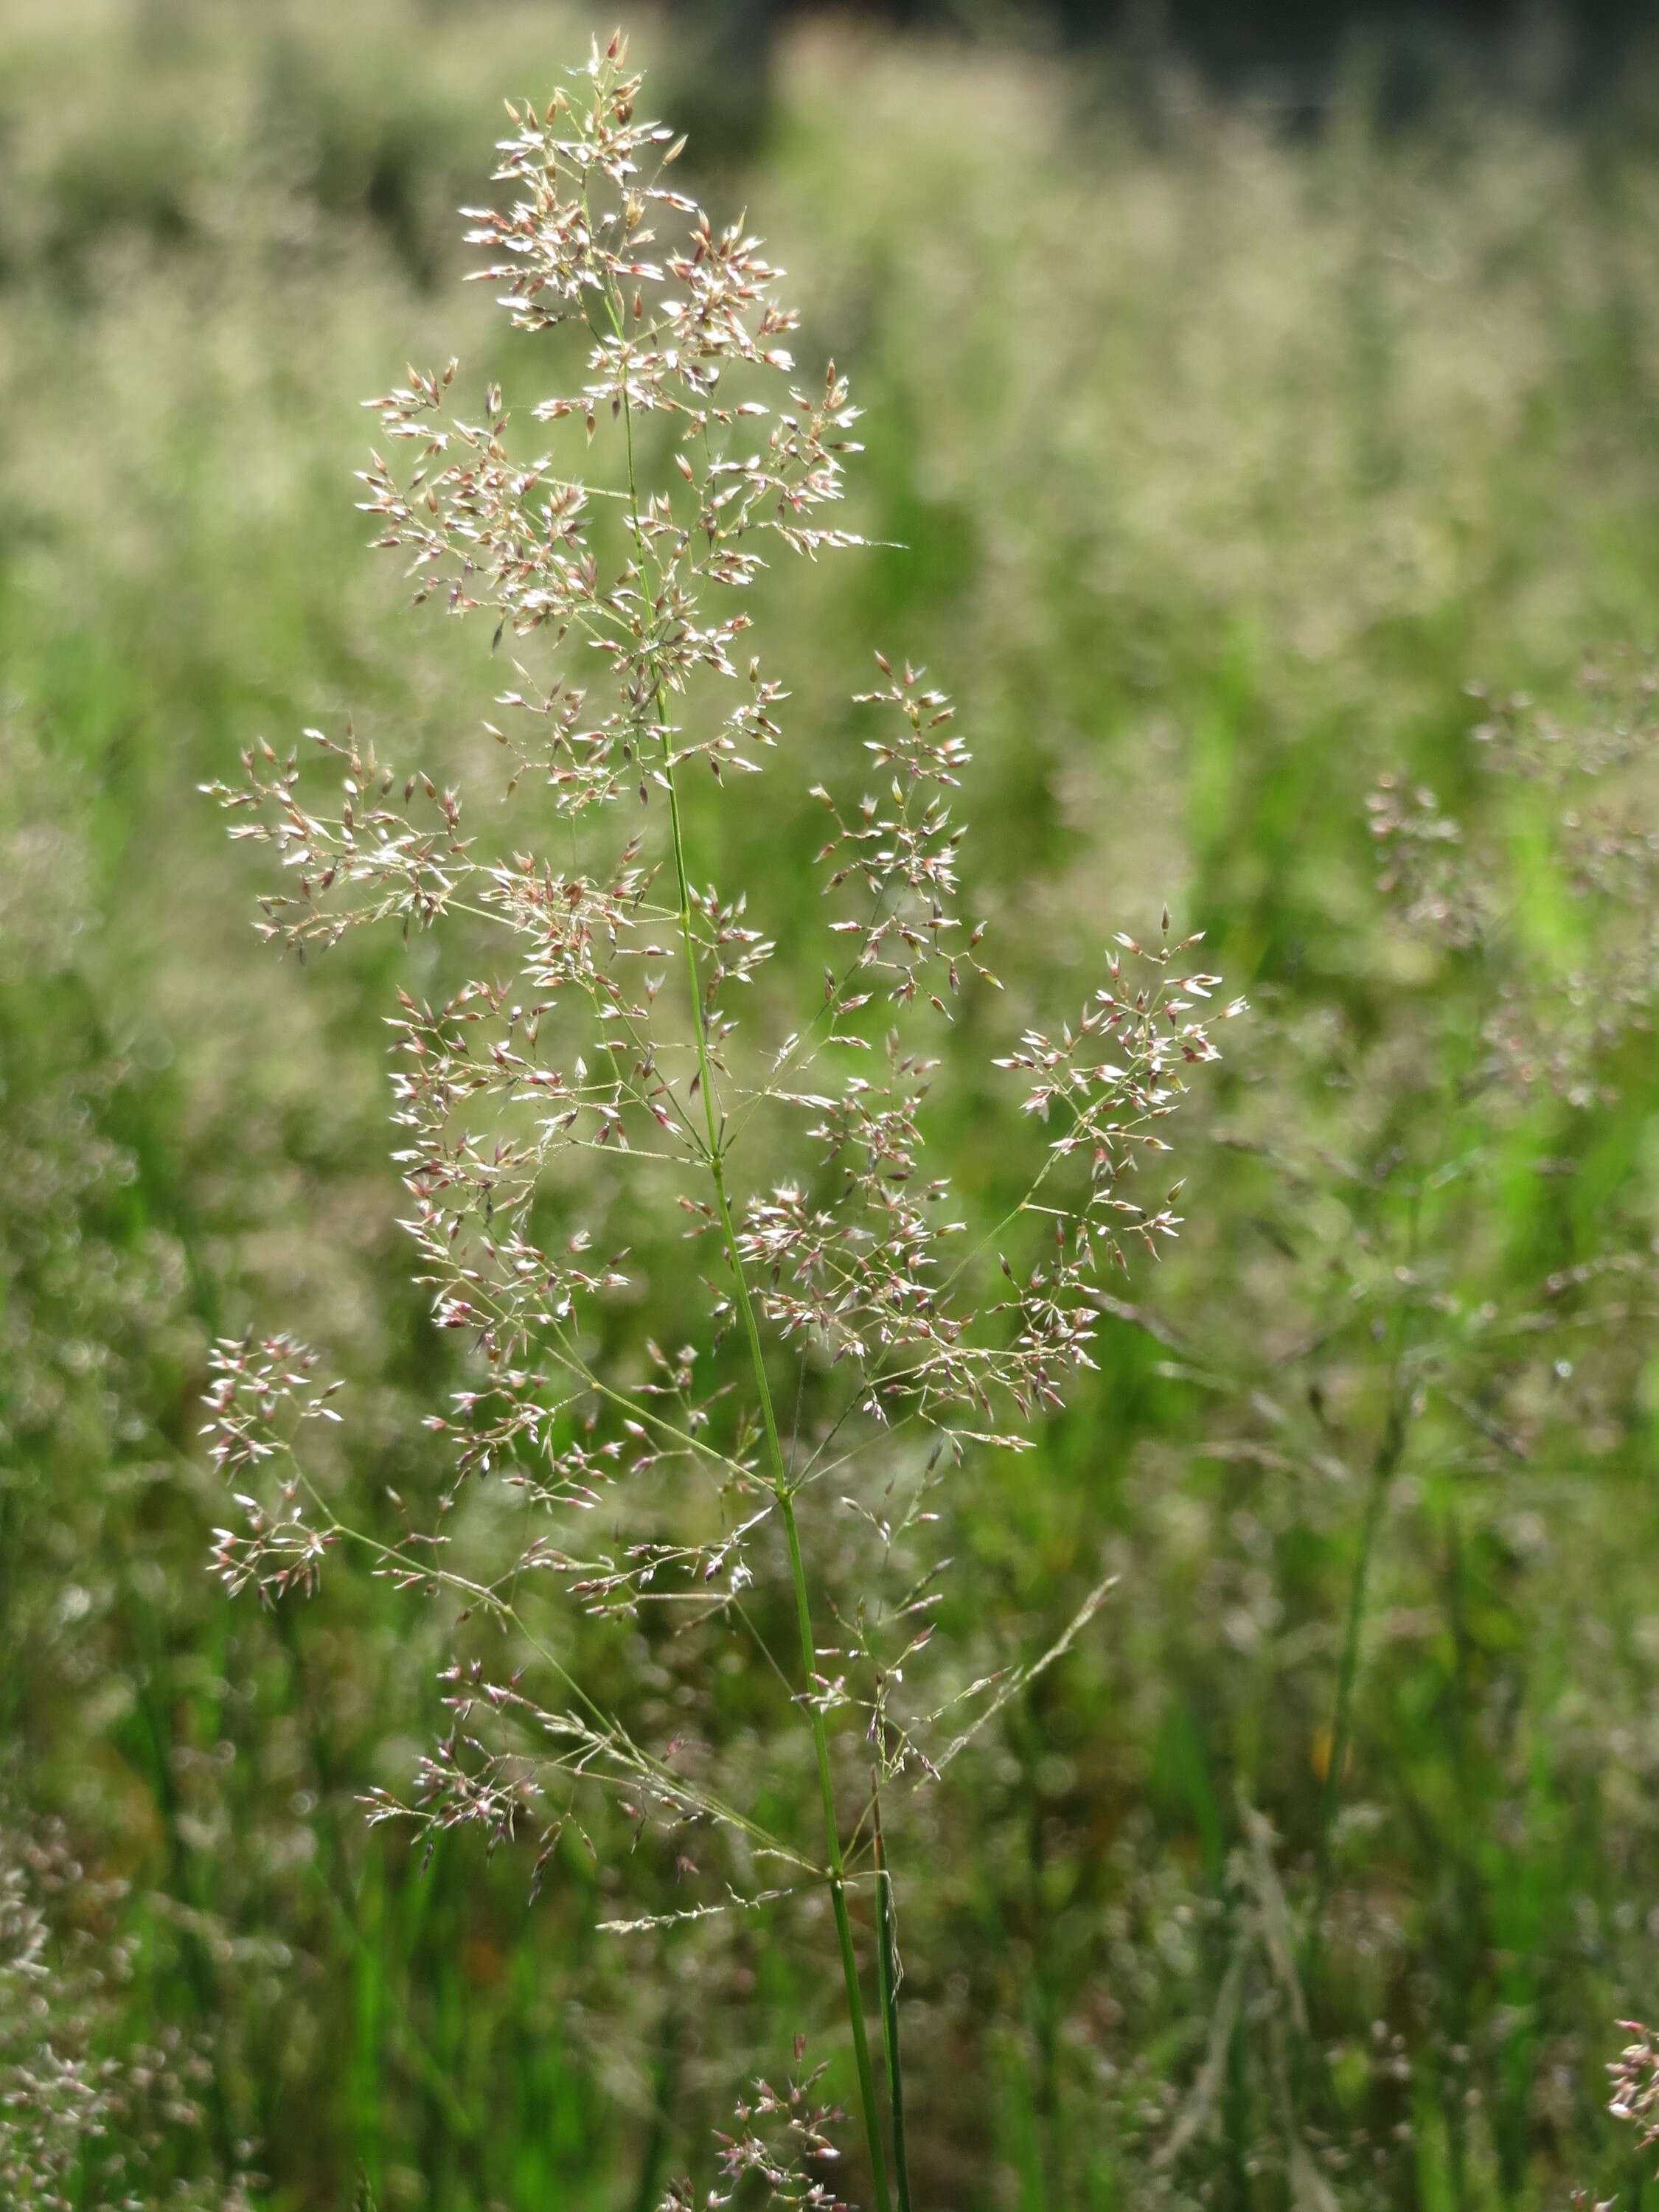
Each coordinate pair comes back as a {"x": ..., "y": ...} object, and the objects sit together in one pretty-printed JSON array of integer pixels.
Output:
[
  {"x": 887, "y": 1968},
  {"x": 781, "y": 1486},
  {"x": 1460, "y": 1952},
  {"x": 1385, "y": 1464},
  {"x": 1309, "y": 2058}
]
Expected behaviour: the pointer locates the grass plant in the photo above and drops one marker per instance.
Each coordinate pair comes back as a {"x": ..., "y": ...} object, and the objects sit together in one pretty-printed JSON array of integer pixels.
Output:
[
  {"x": 1227, "y": 452},
  {"x": 842, "y": 1276}
]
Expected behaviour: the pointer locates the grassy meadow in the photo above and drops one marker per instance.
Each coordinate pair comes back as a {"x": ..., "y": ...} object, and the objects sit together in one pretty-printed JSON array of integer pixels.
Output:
[{"x": 1212, "y": 461}]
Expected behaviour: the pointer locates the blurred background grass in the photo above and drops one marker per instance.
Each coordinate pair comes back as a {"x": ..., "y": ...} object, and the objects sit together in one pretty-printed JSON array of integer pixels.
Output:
[{"x": 1232, "y": 423}]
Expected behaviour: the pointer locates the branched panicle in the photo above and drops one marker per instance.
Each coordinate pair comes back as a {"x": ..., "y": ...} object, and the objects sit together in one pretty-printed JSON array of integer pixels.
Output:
[
  {"x": 82, "y": 2122},
  {"x": 260, "y": 1394},
  {"x": 373, "y": 860},
  {"x": 600, "y": 1050},
  {"x": 1589, "y": 784},
  {"x": 782, "y": 2134}
]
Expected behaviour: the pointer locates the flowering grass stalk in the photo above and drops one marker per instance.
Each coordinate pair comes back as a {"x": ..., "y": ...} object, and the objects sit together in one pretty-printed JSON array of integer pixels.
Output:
[{"x": 610, "y": 1064}]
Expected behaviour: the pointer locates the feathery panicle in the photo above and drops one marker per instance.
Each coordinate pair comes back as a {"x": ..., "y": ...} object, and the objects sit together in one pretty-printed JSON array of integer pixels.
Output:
[{"x": 602, "y": 1052}]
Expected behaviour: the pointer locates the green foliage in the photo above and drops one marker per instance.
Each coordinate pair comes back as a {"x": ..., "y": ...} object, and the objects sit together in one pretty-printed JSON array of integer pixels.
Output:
[{"x": 1227, "y": 465}]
